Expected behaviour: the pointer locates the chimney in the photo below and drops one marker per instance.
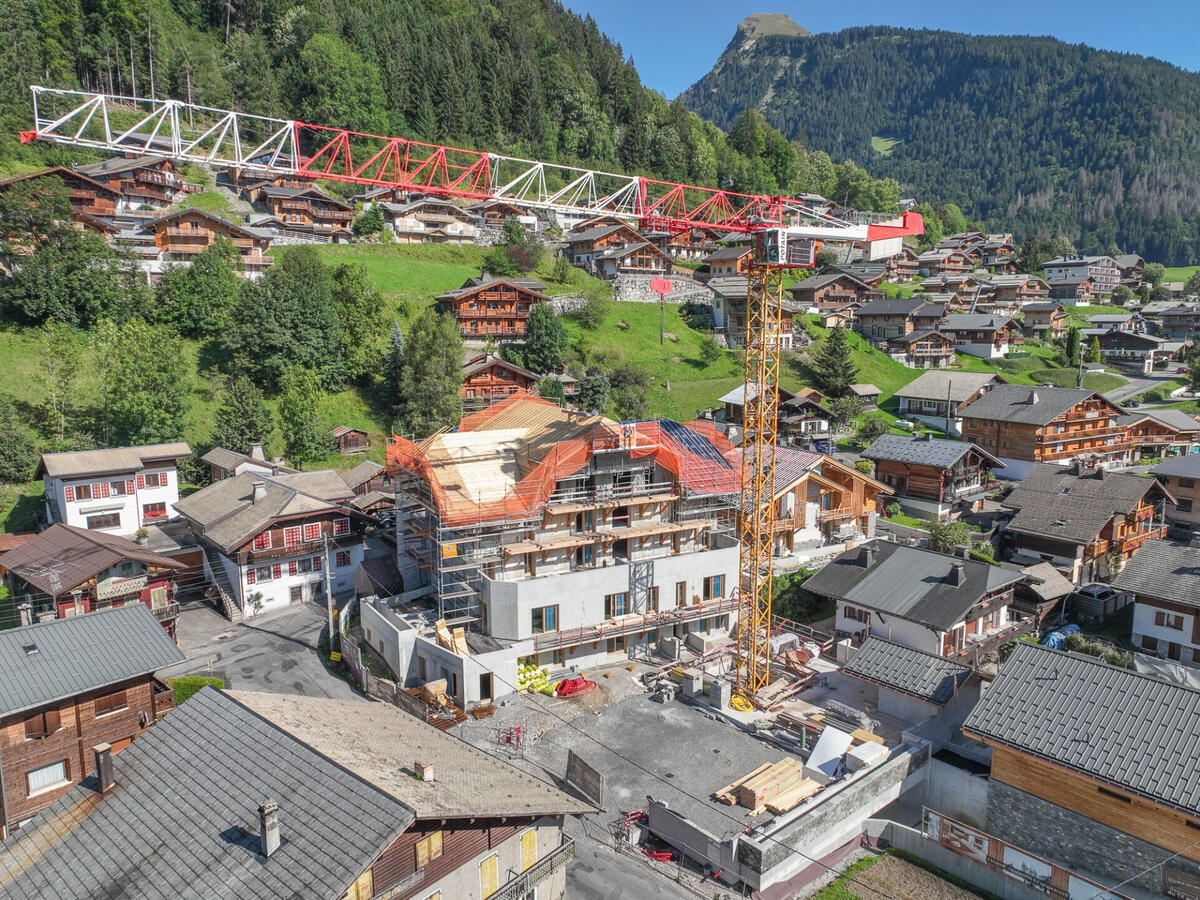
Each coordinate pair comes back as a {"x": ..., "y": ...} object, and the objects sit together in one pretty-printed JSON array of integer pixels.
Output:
[
  {"x": 104, "y": 773},
  {"x": 962, "y": 551},
  {"x": 268, "y": 827},
  {"x": 866, "y": 559},
  {"x": 260, "y": 492},
  {"x": 1033, "y": 397},
  {"x": 958, "y": 574},
  {"x": 424, "y": 770},
  {"x": 25, "y": 611},
  {"x": 256, "y": 452}
]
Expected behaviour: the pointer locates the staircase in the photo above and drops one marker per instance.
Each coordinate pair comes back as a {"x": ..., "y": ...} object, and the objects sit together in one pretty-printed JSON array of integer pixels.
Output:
[{"x": 220, "y": 591}]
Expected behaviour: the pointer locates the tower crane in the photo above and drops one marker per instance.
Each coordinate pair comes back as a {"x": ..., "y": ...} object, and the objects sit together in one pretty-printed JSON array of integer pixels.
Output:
[{"x": 785, "y": 234}]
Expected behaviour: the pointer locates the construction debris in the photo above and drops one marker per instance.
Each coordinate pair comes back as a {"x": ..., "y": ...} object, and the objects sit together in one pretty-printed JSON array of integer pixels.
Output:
[{"x": 455, "y": 642}]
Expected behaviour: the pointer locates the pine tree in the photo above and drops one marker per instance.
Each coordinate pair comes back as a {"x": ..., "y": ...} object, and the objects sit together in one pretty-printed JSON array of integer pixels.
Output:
[
  {"x": 1072, "y": 346},
  {"x": 430, "y": 374},
  {"x": 545, "y": 340},
  {"x": 833, "y": 363},
  {"x": 1094, "y": 355},
  {"x": 243, "y": 419}
]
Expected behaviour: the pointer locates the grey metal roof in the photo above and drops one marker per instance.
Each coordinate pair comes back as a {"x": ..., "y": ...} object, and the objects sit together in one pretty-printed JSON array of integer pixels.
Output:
[
  {"x": 1131, "y": 730},
  {"x": 1187, "y": 466},
  {"x": 1025, "y": 405},
  {"x": 891, "y": 307},
  {"x": 975, "y": 322},
  {"x": 819, "y": 281},
  {"x": 936, "y": 384},
  {"x": 939, "y": 453},
  {"x": 117, "y": 459},
  {"x": 931, "y": 678},
  {"x": 1176, "y": 419},
  {"x": 182, "y": 821},
  {"x": 1047, "y": 306},
  {"x": 474, "y": 285},
  {"x": 909, "y": 583},
  {"x": 1164, "y": 570},
  {"x": 80, "y": 654}
]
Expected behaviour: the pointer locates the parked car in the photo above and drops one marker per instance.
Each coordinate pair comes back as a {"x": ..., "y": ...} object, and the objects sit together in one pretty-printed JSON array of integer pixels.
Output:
[{"x": 1133, "y": 404}]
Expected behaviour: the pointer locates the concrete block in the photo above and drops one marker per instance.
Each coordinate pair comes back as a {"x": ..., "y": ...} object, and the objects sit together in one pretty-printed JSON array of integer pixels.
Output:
[
  {"x": 844, "y": 651},
  {"x": 693, "y": 683},
  {"x": 864, "y": 756},
  {"x": 719, "y": 693},
  {"x": 669, "y": 647},
  {"x": 782, "y": 642}
]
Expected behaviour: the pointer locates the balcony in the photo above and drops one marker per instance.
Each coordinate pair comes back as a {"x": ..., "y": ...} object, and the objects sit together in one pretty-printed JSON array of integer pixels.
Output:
[
  {"x": 990, "y": 641},
  {"x": 634, "y": 624},
  {"x": 838, "y": 512},
  {"x": 524, "y": 884},
  {"x": 166, "y": 612}
]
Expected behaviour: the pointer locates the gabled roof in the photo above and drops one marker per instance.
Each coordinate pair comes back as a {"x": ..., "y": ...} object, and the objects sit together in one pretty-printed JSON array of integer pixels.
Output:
[
  {"x": 343, "y": 430},
  {"x": 864, "y": 390},
  {"x": 477, "y": 285},
  {"x": 274, "y": 190},
  {"x": 1128, "y": 260},
  {"x": 215, "y": 220},
  {"x": 1133, "y": 731},
  {"x": 61, "y": 172},
  {"x": 937, "y": 384},
  {"x": 738, "y": 395},
  {"x": 938, "y": 453},
  {"x": 1175, "y": 419},
  {"x": 1186, "y": 466},
  {"x": 1046, "y": 581},
  {"x": 1163, "y": 570},
  {"x": 1015, "y": 280},
  {"x": 917, "y": 585},
  {"x": 1060, "y": 262},
  {"x": 115, "y": 164},
  {"x": 362, "y": 473},
  {"x": 230, "y": 460},
  {"x": 1049, "y": 306},
  {"x": 623, "y": 250},
  {"x": 79, "y": 463},
  {"x": 1025, "y": 405},
  {"x": 589, "y": 235},
  {"x": 728, "y": 253},
  {"x": 913, "y": 336},
  {"x": 227, "y": 515},
  {"x": 925, "y": 676},
  {"x": 975, "y": 322},
  {"x": 731, "y": 287},
  {"x": 80, "y": 654},
  {"x": 63, "y": 557},
  {"x": 820, "y": 281},
  {"x": 892, "y": 308},
  {"x": 481, "y": 362}
]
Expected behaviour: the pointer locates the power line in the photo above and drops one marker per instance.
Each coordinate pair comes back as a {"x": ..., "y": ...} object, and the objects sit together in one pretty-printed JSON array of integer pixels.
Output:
[{"x": 1142, "y": 872}]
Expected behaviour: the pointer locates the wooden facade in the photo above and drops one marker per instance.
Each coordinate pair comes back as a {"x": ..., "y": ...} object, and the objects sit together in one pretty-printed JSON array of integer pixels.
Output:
[
  {"x": 308, "y": 208},
  {"x": 642, "y": 258},
  {"x": 181, "y": 236},
  {"x": 832, "y": 292},
  {"x": 87, "y": 195},
  {"x": 497, "y": 308},
  {"x": 487, "y": 378},
  {"x": 149, "y": 181},
  {"x": 923, "y": 350},
  {"x": 590, "y": 243},
  {"x": 1046, "y": 323},
  {"x": 65, "y": 732},
  {"x": 1090, "y": 426},
  {"x": 903, "y": 266},
  {"x": 941, "y": 485},
  {"x": 350, "y": 440},
  {"x": 731, "y": 261}
]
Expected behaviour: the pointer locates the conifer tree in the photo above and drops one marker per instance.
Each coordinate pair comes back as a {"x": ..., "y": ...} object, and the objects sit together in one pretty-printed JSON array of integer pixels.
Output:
[{"x": 833, "y": 364}]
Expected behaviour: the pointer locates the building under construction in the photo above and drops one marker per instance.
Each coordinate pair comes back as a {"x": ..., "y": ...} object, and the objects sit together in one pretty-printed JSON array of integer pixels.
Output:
[{"x": 561, "y": 538}]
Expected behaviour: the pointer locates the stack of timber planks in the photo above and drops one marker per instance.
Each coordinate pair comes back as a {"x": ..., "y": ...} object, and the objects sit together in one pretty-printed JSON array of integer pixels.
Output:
[{"x": 772, "y": 787}]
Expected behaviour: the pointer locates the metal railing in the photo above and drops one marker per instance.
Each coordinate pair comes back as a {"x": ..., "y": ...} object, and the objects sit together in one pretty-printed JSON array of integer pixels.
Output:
[
  {"x": 166, "y": 612},
  {"x": 522, "y": 886},
  {"x": 633, "y": 624}
]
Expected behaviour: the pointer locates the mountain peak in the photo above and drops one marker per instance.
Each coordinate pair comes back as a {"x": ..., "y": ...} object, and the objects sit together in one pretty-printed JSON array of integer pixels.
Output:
[{"x": 757, "y": 25}]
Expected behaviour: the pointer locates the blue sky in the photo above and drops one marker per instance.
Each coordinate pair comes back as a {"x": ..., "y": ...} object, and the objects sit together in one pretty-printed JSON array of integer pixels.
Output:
[{"x": 675, "y": 42}]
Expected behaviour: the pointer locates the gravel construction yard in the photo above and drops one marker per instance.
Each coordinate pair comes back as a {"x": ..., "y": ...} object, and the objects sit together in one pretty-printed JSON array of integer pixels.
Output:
[{"x": 893, "y": 878}]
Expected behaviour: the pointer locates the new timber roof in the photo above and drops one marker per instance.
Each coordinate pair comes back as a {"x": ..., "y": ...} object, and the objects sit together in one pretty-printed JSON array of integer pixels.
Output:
[
  {"x": 925, "y": 676},
  {"x": 1130, "y": 730},
  {"x": 79, "y": 654},
  {"x": 1165, "y": 571}
]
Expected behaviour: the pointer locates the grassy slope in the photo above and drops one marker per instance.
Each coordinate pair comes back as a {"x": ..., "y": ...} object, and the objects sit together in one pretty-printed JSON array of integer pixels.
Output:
[{"x": 1180, "y": 273}]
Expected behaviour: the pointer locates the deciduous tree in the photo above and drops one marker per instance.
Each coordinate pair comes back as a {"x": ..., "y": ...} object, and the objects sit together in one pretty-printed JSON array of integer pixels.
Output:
[
  {"x": 431, "y": 374},
  {"x": 304, "y": 439},
  {"x": 545, "y": 340},
  {"x": 243, "y": 419},
  {"x": 198, "y": 298},
  {"x": 145, "y": 381}
]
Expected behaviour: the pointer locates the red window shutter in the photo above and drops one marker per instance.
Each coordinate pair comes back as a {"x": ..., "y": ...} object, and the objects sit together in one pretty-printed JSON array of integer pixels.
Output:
[
  {"x": 104, "y": 489},
  {"x": 96, "y": 495},
  {"x": 129, "y": 487},
  {"x": 164, "y": 479},
  {"x": 276, "y": 570},
  {"x": 141, "y": 481},
  {"x": 316, "y": 564},
  {"x": 292, "y": 567},
  {"x": 250, "y": 576},
  {"x": 70, "y": 493}
]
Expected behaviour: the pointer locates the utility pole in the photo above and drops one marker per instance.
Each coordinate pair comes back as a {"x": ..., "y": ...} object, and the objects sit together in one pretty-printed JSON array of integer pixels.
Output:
[
  {"x": 329, "y": 597},
  {"x": 949, "y": 385}
]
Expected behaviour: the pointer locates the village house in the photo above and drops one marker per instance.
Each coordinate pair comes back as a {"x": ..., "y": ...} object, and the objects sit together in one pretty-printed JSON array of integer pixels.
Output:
[
  {"x": 1045, "y": 320},
  {"x": 145, "y": 184},
  {"x": 804, "y": 422},
  {"x": 271, "y": 541},
  {"x": 433, "y": 816},
  {"x": 948, "y": 301},
  {"x": 729, "y": 313},
  {"x": 903, "y": 266},
  {"x": 734, "y": 403},
  {"x": 1163, "y": 581},
  {"x": 640, "y": 258},
  {"x": 1042, "y": 594},
  {"x": 865, "y": 393},
  {"x": 880, "y": 320},
  {"x": 937, "y": 398},
  {"x": 842, "y": 317},
  {"x": 1086, "y": 522},
  {"x": 1181, "y": 322},
  {"x": 72, "y": 684},
  {"x": 872, "y": 274},
  {"x": 984, "y": 335},
  {"x": 1073, "y": 290},
  {"x": 968, "y": 286},
  {"x": 946, "y": 605},
  {"x": 832, "y": 291},
  {"x": 729, "y": 261},
  {"x": 89, "y": 198},
  {"x": 498, "y": 213},
  {"x": 998, "y": 257},
  {"x": 1101, "y": 270},
  {"x": 119, "y": 490},
  {"x": 1018, "y": 288},
  {"x": 944, "y": 262},
  {"x": 691, "y": 243},
  {"x": 583, "y": 246},
  {"x": 372, "y": 488},
  {"x": 1131, "y": 322},
  {"x": 1181, "y": 476},
  {"x": 932, "y": 478},
  {"x": 1100, "y": 783},
  {"x": 1155, "y": 433},
  {"x": 557, "y": 537},
  {"x": 1137, "y": 350},
  {"x": 922, "y": 349},
  {"x": 349, "y": 440},
  {"x": 303, "y": 208},
  {"x": 224, "y": 463},
  {"x": 429, "y": 220},
  {"x": 66, "y": 571},
  {"x": 498, "y": 308},
  {"x": 1132, "y": 269},
  {"x": 178, "y": 237},
  {"x": 488, "y": 378},
  {"x": 1027, "y": 425},
  {"x": 995, "y": 307}
]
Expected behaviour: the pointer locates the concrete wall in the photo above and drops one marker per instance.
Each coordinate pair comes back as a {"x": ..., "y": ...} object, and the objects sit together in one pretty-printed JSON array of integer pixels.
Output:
[
  {"x": 957, "y": 793},
  {"x": 389, "y": 636},
  {"x": 1076, "y": 841},
  {"x": 894, "y": 629}
]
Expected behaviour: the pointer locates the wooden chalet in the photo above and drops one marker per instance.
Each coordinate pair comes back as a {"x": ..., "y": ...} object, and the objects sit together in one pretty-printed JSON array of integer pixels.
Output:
[
  {"x": 1046, "y": 320},
  {"x": 304, "y": 208},
  {"x": 866, "y": 393},
  {"x": 586, "y": 244},
  {"x": 804, "y": 422},
  {"x": 74, "y": 684},
  {"x": 1132, "y": 269},
  {"x": 429, "y": 220},
  {"x": 143, "y": 183},
  {"x": 926, "y": 349},
  {"x": 1021, "y": 289},
  {"x": 998, "y": 256},
  {"x": 1181, "y": 322},
  {"x": 1084, "y": 520},
  {"x": 641, "y": 258},
  {"x": 872, "y": 274},
  {"x": 1044, "y": 424},
  {"x": 981, "y": 334},
  {"x": 1100, "y": 271},
  {"x": 734, "y": 403},
  {"x": 729, "y": 261},
  {"x": 88, "y": 196},
  {"x": 933, "y": 477},
  {"x": 938, "y": 398},
  {"x": 181, "y": 235},
  {"x": 1073, "y": 289},
  {"x": 903, "y": 266},
  {"x": 1138, "y": 349},
  {"x": 832, "y": 291},
  {"x": 968, "y": 286},
  {"x": 691, "y": 243},
  {"x": 944, "y": 262},
  {"x": 1155, "y": 433},
  {"x": 493, "y": 307},
  {"x": 488, "y": 378},
  {"x": 350, "y": 440},
  {"x": 498, "y": 213},
  {"x": 880, "y": 320},
  {"x": 729, "y": 313}
]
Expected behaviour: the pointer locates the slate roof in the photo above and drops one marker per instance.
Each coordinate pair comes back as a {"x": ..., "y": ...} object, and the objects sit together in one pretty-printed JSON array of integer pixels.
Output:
[
  {"x": 909, "y": 583},
  {"x": 1025, "y": 405},
  {"x": 228, "y": 517},
  {"x": 891, "y": 307},
  {"x": 590, "y": 235},
  {"x": 939, "y": 453},
  {"x": 913, "y": 336},
  {"x": 1046, "y": 581},
  {"x": 274, "y": 190},
  {"x": 1164, "y": 570},
  {"x": 80, "y": 654},
  {"x": 864, "y": 390},
  {"x": 925, "y": 676},
  {"x": 737, "y": 396},
  {"x": 478, "y": 362},
  {"x": 118, "y": 459},
  {"x": 727, "y": 253},
  {"x": 1175, "y": 419},
  {"x": 1130, "y": 730},
  {"x": 819, "y": 281},
  {"x": 975, "y": 322},
  {"x": 1053, "y": 501},
  {"x": 63, "y": 557},
  {"x": 1187, "y": 466},
  {"x": 120, "y": 164},
  {"x": 230, "y": 460},
  {"x": 362, "y": 473},
  {"x": 475, "y": 285},
  {"x": 1047, "y": 306},
  {"x": 1127, "y": 260},
  {"x": 934, "y": 385},
  {"x": 732, "y": 287}
]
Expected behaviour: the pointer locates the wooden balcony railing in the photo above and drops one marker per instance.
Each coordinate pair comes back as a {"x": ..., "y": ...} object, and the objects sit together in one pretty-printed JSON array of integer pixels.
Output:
[{"x": 838, "y": 512}]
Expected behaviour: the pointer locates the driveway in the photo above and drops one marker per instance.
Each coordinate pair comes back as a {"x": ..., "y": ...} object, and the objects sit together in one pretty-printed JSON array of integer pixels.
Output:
[{"x": 275, "y": 653}]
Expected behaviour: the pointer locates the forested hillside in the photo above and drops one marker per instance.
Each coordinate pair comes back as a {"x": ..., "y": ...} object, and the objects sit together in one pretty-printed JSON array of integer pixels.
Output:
[
  {"x": 1024, "y": 133},
  {"x": 519, "y": 76}
]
